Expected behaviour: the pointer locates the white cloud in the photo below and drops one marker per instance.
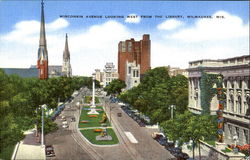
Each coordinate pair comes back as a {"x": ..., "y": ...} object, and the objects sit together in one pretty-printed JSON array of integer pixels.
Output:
[
  {"x": 214, "y": 29},
  {"x": 206, "y": 39},
  {"x": 90, "y": 48},
  {"x": 133, "y": 18},
  {"x": 170, "y": 24}
]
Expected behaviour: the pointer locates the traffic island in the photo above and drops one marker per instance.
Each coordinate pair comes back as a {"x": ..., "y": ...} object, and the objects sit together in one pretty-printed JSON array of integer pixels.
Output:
[{"x": 96, "y": 128}]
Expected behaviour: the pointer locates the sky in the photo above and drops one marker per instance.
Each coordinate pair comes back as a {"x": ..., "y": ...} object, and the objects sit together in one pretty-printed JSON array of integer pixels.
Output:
[{"x": 177, "y": 37}]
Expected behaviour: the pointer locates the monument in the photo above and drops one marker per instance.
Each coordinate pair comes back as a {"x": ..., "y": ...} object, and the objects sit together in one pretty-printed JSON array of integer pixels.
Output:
[{"x": 92, "y": 108}]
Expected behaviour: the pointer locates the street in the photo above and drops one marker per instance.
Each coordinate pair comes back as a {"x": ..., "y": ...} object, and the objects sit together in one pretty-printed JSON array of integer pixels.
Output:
[{"x": 70, "y": 144}]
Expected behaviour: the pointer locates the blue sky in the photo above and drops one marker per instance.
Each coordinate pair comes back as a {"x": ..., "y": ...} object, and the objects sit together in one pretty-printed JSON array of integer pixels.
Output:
[{"x": 93, "y": 41}]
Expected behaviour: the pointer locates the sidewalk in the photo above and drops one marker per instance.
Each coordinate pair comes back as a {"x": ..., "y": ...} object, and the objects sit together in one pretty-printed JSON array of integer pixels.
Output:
[{"x": 29, "y": 148}]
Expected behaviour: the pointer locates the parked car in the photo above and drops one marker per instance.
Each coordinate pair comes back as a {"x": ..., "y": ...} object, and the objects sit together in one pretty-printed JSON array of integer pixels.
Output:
[
  {"x": 65, "y": 126},
  {"x": 169, "y": 145},
  {"x": 73, "y": 119},
  {"x": 156, "y": 135},
  {"x": 182, "y": 156},
  {"x": 49, "y": 151},
  {"x": 162, "y": 140}
]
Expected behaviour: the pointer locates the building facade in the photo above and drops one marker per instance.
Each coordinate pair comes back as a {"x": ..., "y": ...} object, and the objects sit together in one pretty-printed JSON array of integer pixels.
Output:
[
  {"x": 108, "y": 75},
  {"x": 174, "y": 71},
  {"x": 138, "y": 51},
  {"x": 132, "y": 74},
  {"x": 236, "y": 81},
  {"x": 66, "y": 67},
  {"x": 42, "y": 61}
]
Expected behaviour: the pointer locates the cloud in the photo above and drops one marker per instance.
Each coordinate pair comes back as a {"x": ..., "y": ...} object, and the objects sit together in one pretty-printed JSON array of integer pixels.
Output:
[
  {"x": 205, "y": 39},
  {"x": 90, "y": 48},
  {"x": 169, "y": 24},
  {"x": 213, "y": 29},
  {"x": 133, "y": 18}
]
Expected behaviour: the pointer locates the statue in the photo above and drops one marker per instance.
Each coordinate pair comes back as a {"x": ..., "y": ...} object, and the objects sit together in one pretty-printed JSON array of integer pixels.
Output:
[{"x": 104, "y": 118}]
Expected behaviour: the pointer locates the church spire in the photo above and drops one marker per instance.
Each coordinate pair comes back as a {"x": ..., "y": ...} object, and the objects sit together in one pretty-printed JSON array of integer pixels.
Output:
[
  {"x": 42, "y": 62},
  {"x": 66, "y": 54},
  {"x": 66, "y": 67}
]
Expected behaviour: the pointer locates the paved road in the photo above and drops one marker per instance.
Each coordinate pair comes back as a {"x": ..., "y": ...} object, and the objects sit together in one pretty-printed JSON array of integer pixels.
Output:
[{"x": 70, "y": 144}]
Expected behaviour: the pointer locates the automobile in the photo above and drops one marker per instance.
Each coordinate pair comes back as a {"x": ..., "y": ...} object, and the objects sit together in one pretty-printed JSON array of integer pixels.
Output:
[
  {"x": 182, "y": 156},
  {"x": 65, "y": 126},
  {"x": 142, "y": 124},
  {"x": 119, "y": 114},
  {"x": 156, "y": 135},
  {"x": 73, "y": 119},
  {"x": 162, "y": 140},
  {"x": 63, "y": 118},
  {"x": 49, "y": 151},
  {"x": 176, "y": 150},
  {"x": 65, "y": 122},
  {"x": 169, "y": 145}
]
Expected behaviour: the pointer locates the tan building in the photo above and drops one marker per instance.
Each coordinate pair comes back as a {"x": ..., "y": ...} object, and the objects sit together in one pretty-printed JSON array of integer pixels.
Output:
[
  {"x": 174, "y": 71},
  {"x": 236, "y": 73},
  {"x": 108, "y": 75}
]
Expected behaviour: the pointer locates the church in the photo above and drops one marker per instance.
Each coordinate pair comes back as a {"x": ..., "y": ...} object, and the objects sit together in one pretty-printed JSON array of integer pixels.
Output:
[{"x": 42, "y": 70}]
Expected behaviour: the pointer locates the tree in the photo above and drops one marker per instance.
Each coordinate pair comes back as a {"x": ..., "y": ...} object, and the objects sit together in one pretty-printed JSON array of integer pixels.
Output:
[
  {"x": 196, "y": 127},
  {"x": 115, "y": 87}
]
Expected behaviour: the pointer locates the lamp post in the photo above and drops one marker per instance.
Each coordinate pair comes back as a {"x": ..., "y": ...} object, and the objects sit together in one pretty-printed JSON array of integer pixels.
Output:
[
  {"x": 42, "y": 136},
  {"x": 172, "y": 107}
]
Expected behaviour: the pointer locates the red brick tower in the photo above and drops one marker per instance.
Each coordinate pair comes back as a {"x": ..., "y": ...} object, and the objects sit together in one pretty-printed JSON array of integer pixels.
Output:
[
  {"x": 42, "y": 61},
  {"x": 131, "y": 50}
]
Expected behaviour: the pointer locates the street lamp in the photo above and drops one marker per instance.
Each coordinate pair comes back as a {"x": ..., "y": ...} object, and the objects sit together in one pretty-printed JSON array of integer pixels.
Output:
[
  {"x": 42, "y": 136},
  {"x": 172, "y": 107}
]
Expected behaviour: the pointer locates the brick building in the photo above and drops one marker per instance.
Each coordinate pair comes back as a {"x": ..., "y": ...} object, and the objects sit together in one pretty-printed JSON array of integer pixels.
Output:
[{"x": 130, "y": 51}]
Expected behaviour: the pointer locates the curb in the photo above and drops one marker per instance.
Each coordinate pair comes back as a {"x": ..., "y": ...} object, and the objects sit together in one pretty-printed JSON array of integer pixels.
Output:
[{"x": 13, "y": 157}]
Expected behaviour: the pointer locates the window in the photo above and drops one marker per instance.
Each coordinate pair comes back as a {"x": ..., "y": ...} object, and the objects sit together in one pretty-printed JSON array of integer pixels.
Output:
[
  {"x": 237, "y": 130},
  {"x": 246, "y": 136},
  {"x": 240, "y": 83},
  {"x": 129, "y": 70},
  {"x": 248, "y": 106},
  {"x": 133, "y": 73},
  {"x": 225, "y": 84},
  {"x": 123, "y": 47},
  {"x": 232, "y": 84},
  {"x": 248, "y": 84},
  {"x": 129, "y": 46},
  {"x": 229, "y": 131},
  {"x": 232, "y": 102},
  {"x": 239, "y": 105},
  {"x": 137, "y": 73}
]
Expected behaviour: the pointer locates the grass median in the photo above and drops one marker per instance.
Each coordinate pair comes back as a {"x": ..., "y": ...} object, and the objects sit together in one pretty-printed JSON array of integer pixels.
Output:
[{"x": 91, "y": 136}]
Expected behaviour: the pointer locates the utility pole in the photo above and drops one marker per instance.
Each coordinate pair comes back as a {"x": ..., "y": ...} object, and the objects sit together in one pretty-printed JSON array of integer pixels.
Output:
[{"x": 172, "y": 107}]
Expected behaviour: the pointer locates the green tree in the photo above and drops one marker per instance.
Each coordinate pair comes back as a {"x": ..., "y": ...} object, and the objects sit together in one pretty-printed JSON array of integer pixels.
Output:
[
  {"x": 196, "y": 127},
  {"x": 115, "y": 87}
]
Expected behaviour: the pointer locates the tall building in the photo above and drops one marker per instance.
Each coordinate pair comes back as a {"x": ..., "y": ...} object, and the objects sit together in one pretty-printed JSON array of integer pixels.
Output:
[
  {"x": 134, "y": 51},
  {"x": 42, "y": 62},
  {"x": 236, "y": 81},
  {"x": 66, "y": 67}
]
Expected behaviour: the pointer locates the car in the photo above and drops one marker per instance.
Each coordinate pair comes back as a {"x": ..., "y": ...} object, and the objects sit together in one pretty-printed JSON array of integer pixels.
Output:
[
  {"x": 49, "y": 151},
  {"x": 73, "y": 119},
  {"x": 162, "y": 140},
  {"x": 119, "y": 114},
  {"x": 182, "y": 156},
  {"x": 65, "y": 126},
  {"x": 156, "y": 135},
  {"x": 169, "y": 145},
  {"x": 176, "y": 150}
]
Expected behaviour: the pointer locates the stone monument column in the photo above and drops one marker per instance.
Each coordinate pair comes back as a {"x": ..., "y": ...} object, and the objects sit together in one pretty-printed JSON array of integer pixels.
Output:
[{"x": 92, "y": 108}]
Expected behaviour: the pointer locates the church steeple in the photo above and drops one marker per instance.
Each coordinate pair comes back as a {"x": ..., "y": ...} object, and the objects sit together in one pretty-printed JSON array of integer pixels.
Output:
[
  {"x": 42, "y": 62},
  {"x": 66, "y": 54},
  {"x": 66, "y": 68}
]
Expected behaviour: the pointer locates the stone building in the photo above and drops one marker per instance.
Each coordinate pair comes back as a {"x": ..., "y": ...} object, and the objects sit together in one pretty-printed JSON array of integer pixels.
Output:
[
  {"x": 131, "y": 50},
  {"x": 174, "y": 71},
  {"x": 236, "y": 81},
  {"x": 108, "y": 75},
  {"x": 132, "y": 74}
]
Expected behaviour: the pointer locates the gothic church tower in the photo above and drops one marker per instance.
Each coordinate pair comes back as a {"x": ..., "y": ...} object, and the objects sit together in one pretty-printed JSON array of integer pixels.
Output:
[
  {"x": 66, "y": 68},
  {"x": 42, "y": 62}
]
